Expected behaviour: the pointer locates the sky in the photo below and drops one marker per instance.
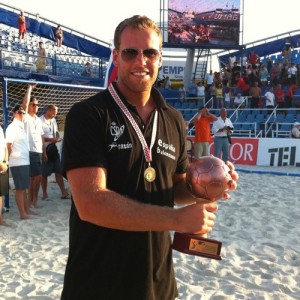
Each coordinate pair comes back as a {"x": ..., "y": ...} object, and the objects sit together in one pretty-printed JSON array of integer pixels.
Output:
[{"x": 262, "y": 18}]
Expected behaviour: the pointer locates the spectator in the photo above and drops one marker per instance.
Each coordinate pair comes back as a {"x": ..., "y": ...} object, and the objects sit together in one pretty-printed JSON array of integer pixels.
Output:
[
  {"x": 21, "y": 25},
  {"x": 235, "y": 73},
  {"x": 192, "y": 90},
  {"x": 167, "y": 83},
  {"x": 222, "y": 129},
  {"x": 255, "y": 93},
  {"x": 244, "y": 61},
  {"x": 219, "y": 96},
  {"x": 4, "y": 185},
  {"x": 295, "y": 133},
  {"x": 209, "y": 79},
  {"x": 287, "y": 49},
  {"x": 201, "y": 93},
  {"x": 182, "y": 93},
  {"x": 269, "y": 65},
  {"x": 112, "y": 209},
  {"x": 34, "y": 130},
  {"x": 231, "y": 60},
  {"x": 242, "y": 83},
  {"x": 270, "y": 99},
  {"x": 41, "y": 61},
  {"x": 227, "y": 97},
  {"x": 253, "y": 58},
  {"x": 51, "y": 135},
  {"x": 59, "y": 34},
  {"x": 279, "y": 98},
  {"x": 227, "y": 77},
  {"x": 276, "y": 73},
  {"x": 239, "y": 101},
  {"x": 292, "y": 73},
  {"x": 263, "y": 75},
  {"x": 87, "y": 69},
  {"x": 213, "y": 94},
  {"x": 18, "y": 150},
  {"x": 202, "y": 135},
  {"x": 289, "y": 95}
]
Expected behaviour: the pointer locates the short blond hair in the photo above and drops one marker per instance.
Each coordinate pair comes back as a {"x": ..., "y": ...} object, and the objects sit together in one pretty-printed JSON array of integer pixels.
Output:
[{"x": 136, "y": 22}]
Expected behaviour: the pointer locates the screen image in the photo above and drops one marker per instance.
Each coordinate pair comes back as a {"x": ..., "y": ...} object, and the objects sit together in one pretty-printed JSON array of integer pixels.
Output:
[{"x": 204, "y": 23}]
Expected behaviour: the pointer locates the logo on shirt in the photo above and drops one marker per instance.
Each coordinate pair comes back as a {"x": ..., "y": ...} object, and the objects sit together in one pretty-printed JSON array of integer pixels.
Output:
[
  {"x": 117, "y": 132},
  {"x": 166, "y": 149}
]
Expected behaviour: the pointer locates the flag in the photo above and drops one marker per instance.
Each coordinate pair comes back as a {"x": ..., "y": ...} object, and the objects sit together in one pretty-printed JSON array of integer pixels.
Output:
[{"x": 111, "y": 72}]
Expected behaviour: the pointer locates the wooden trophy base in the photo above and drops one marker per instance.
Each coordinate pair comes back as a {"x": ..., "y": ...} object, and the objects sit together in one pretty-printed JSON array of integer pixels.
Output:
[{"x": 195, "y": 244}]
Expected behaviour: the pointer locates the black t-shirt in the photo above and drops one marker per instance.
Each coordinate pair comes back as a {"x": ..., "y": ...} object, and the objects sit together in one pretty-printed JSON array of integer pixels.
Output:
[{"x": 113, "y": 264}]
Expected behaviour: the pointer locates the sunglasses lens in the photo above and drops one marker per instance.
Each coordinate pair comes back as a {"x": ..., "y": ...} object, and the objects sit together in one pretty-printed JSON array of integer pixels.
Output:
[
  {"x": 130, "y": 54},
  {"x": 151, "y": 54}
]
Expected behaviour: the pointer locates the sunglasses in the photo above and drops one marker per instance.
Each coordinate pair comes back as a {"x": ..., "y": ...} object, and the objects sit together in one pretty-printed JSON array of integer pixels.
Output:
[
  {"x": 130, "y": 54},
  {"x": 34, "y": 104},
  {"x": 20, "y": 113}
]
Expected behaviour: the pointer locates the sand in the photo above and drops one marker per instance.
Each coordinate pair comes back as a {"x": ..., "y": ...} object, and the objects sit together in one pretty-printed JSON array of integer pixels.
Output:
[{"x": 259, "y": 228}]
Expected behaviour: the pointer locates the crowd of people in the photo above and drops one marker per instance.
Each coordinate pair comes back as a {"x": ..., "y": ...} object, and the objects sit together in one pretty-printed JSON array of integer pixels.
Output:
[
  {"x": 247, "y": 78},
  {"x": 25, "y": 154}
]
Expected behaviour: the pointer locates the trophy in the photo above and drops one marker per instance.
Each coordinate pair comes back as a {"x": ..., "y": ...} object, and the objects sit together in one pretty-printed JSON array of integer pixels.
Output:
[{"x": 208, "y": 179}]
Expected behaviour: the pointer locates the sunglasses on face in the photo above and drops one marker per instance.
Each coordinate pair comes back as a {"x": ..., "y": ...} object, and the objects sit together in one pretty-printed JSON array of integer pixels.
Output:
[
  {"x": 20, "y": 113},
  {"x": 129, "y": 54},
  {"x": 34, "y": 104}
]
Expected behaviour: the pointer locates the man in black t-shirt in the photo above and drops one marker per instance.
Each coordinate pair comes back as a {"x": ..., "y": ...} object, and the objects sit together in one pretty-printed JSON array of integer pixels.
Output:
[{"x": 125, "y": 159}]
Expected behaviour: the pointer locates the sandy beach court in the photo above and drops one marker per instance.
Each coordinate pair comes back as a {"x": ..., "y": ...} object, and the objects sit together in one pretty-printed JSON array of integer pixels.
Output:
[{"x": 259, "y": 228}]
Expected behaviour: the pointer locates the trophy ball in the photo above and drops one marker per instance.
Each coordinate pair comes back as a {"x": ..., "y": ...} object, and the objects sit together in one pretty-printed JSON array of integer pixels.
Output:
[{"x": 208, "y": 178}]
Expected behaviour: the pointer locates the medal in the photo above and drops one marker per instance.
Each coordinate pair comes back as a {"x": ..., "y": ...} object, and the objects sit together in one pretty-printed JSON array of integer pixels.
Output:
[{"x": 150, "y": 174}]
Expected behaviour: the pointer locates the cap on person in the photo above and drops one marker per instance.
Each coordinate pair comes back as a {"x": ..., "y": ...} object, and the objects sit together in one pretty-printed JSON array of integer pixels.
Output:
[{"x": 19, "y": 108}]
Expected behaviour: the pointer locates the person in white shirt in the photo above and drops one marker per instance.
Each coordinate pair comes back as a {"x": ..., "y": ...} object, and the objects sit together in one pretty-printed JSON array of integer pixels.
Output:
[
  {"x": 222, "y": 129},
  {"x": 167, "y": 83},
  {"x": 4, "y": 189},
  {"x": 239, "y": 101},
  {"x": 270, "y": 99},
  {"x": 51, "y": 135},
  {"x": 201, "y": 94},
  {"x": 292, "y": 73},
  {"x": 295, "y": 133},
  {"x": 19, "y": 164},
  {"x": 182, "y": 93},
  {"x": 209, "y": 79},
  {"x": 34, "y": 130}
]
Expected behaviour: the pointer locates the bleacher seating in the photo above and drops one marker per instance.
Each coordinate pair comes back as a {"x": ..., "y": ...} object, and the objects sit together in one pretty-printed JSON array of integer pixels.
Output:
[{"x": 61, "y": 61}]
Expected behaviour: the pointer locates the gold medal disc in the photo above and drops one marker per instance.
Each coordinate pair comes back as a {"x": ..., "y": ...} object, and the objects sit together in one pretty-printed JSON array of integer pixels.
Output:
[{"x": 150, "y": 174}]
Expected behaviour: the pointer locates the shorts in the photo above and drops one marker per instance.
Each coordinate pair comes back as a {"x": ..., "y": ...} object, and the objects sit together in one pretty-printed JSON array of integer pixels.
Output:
[
  {"x": 35, "y": 163},
  {"x": 4, "y": 184},
  {"x": 51, "y": 167},
  {"x": 20, "y": 175}
]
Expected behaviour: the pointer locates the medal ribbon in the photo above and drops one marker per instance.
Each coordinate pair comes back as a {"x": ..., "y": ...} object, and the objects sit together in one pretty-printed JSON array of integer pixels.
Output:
[{"x": 146, "y": 149}]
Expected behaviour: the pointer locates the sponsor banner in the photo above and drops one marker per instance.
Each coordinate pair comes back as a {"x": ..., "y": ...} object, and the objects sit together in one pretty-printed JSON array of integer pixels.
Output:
[
  {"x": 241, "y": 151},
  {"x": 173, "y": 69},
  {"x": 279, "y": 152},
  {"x": 263, "y": 152}
]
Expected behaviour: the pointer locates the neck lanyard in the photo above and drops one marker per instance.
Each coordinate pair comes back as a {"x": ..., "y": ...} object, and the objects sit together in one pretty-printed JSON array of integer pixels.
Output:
[{"x": 149, "y": 172}]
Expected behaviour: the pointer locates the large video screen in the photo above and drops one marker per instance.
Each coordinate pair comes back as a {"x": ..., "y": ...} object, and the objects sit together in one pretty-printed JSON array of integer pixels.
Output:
[{"x": 203, "y": 23}]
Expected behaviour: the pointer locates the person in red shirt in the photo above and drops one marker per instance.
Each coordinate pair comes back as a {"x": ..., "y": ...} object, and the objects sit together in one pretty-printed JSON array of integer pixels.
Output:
[
  {"x": 279, "y": 98},
  {"x": 242, "y": 83},
  {"x": 253, "y": 58},
  {"x": 289, "y": 95},
  {"x": 202, "y": 136}
]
